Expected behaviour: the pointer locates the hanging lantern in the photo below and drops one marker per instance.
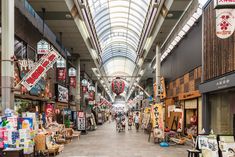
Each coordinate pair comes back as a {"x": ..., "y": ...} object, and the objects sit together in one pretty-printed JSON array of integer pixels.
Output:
[
  {"x": 118, "y": 86},
  {"x": 91, "y": 95},
  {"x": 84, "y": 89},
  {"x": 91, "y": 88},
  {"x": 84, "y": 83},
  {"x": 72, "y": 81}
]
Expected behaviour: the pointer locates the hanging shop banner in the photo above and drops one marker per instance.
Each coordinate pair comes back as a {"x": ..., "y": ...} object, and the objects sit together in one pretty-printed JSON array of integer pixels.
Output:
[
  {"x": 224, "y": 3},
  {"x": 157, "y": 116},
  {"x": 43, "y": 47},
  {"x": 225, "y": 22},
  {"x": 61, "y": 74},
  {"x": 72, "y": 81},
  {"x": 62, "y": 94},
  {"x": 41, "y": 67}
]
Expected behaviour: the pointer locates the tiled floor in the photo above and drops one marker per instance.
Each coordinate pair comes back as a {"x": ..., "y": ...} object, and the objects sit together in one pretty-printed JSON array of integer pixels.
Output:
[{"x": 106, "y": 142}]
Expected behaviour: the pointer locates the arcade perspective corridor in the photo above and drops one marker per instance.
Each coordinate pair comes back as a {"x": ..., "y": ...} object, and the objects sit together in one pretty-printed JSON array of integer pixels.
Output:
[
  {"x": 106, "y": 142},
  {"x": 76, "y": 74}
]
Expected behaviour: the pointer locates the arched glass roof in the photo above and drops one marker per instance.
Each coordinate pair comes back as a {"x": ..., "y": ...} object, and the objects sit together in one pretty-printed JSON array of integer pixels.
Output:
[
  {"x": 119, "y": 66},
  {"x": 118, "y": 25}
]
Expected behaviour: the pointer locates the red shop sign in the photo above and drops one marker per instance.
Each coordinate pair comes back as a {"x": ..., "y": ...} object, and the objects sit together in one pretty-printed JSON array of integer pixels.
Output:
[
  {"x": 81, "y": 114},
  {"x": 61, "y": 74},
  {"x": 41, "y": 67},
  {"x": 72, "y": 81}
]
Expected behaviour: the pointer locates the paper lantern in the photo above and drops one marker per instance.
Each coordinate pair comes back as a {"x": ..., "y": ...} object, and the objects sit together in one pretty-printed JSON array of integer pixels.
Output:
[
  {"x": 84, "y": 89},
  {"x": 91, "y": 88},
  {"x": 91, "y": 95},
  {"x": 84, "y": 83},
  {"x": 118, "y": 86}
]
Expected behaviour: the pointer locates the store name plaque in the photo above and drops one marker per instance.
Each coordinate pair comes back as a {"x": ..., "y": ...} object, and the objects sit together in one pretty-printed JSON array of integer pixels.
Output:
[{"x": 222, "y": 83}]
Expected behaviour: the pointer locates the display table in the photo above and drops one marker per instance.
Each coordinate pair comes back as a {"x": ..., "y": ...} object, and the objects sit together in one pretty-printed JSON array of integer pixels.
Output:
[
  {"x": 29, "y": 155},
  {"x": 10, "y": 152}
]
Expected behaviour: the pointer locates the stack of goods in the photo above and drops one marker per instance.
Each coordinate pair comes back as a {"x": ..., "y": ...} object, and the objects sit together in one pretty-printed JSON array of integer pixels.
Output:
[
  {"x": 26, "y": 140},
  {"x": 12, "y": 139},
  {"x": 3, "y": 137},
  {"x": 17, "y": 133}
]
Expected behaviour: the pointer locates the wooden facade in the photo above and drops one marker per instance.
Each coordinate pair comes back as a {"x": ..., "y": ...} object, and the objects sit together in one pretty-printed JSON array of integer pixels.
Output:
[
  {"x": 218, "y": 54},
  {"x": 185, "y": 84}
]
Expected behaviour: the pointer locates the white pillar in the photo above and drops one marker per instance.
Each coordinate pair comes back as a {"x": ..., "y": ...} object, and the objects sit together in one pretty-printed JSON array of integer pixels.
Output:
[
  {"x": 96, "y": 91},
  {"x": 78, "y": 82},
  {"x": 158, "y": 73},
  {"x": 7, "y": 74}
]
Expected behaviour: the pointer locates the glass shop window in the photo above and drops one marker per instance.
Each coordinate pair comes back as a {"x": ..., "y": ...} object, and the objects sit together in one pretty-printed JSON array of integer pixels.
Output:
[
  {"x": 20, "y": 49},
  {"x": 24, "y": 51},
  {"x": 222, "y": 116}
]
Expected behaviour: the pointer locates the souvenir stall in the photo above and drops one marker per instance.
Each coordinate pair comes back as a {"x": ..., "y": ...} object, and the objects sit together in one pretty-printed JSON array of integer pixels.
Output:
[
  {"x": 102, "y": 109},
  {"x": 25, "y": 128}
]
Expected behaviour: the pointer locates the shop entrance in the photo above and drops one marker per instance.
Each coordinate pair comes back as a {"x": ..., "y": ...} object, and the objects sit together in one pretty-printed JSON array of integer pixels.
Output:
[{"x": 191, "y": 117}]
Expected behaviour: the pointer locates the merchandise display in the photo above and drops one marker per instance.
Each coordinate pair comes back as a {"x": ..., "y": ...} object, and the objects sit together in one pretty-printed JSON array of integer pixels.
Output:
[{"x": 21, "y": 132}]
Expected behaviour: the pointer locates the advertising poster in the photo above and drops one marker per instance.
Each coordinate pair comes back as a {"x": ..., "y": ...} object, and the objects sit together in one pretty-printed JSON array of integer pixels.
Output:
[
  {"x": 62, "y": 94},
  {"x": 25, "y": 123}
]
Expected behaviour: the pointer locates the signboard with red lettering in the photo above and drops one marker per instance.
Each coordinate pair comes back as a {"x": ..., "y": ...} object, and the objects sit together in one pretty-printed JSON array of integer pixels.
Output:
[
  {"x": 41, "y": 67},
  {"x": 225, "y": 22},
  {"x": 224, "y": 3},
  {"x": 43, "y": 47}
]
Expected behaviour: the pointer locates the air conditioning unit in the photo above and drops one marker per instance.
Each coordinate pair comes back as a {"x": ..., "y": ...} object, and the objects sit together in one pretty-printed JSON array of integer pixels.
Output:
[
  {"x": 82, "y": 3},
  {"x": 156, "y": 3}
]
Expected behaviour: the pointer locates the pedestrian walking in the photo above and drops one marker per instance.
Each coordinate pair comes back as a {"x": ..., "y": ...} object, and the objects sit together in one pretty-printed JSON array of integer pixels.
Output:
[
  {"x": 136, "y": 121},
  {"x": 130, "y": 122}
]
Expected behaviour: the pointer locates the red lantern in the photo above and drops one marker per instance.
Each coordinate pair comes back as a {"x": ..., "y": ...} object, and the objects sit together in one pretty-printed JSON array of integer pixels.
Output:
[
  {"x": 118, "y": 86},
  {"x": 84, "y": 89},
  {"x": 91, "y": 95},
  {"x": 72, "y": 81}
]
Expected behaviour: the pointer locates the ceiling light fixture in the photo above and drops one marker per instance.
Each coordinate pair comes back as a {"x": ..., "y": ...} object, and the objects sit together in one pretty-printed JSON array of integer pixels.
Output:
[
  {"x": 140, "y": 62},
  {"x": 170, "y": 15}
]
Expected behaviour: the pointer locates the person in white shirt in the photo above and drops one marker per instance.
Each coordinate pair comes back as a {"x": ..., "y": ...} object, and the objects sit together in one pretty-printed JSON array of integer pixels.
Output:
[{"x": 136, "y": 121}]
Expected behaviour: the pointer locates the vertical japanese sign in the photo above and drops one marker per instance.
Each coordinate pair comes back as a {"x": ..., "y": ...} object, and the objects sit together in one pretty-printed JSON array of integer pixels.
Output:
[
  {"x": 81, "y": 121},
  {"x": 61, "y": 69},
  {"x": 72, "y": 77},
  {"x": 157, "y": 115},
  {"x": 40, "y": 68}
]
